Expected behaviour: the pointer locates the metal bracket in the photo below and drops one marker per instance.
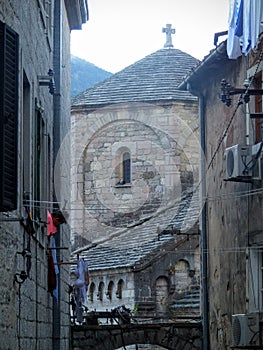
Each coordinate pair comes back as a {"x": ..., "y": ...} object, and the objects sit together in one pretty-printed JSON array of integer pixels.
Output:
[
  {"x": 227, "y": 90},
  {"x": 48, "y": 80}
]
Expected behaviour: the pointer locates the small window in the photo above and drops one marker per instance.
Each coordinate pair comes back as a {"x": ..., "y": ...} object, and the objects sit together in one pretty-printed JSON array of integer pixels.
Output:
[
  {"x": 124, "y": 168},
  {"x": 100, "y": 291},
  {"x": 258, "y": 109},
  {"x": 110, "y": 290},
  {"x": 126, "y": 164},
  {"x": 120, "y": 289},
  {"x": 91, "y": 292},
  {"x": 162, "y": 294}
]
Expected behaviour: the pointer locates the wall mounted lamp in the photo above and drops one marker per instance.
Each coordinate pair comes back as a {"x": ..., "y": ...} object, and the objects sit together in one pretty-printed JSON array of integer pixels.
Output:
[
  {"x": 21, "y": 277},
  {"x": 48, "y": 80},
  {"x": 227, "y": 91},
  {"x": 25, "y": 253}
]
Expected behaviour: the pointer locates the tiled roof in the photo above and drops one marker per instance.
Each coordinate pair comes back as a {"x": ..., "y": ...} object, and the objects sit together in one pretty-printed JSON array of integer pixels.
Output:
[
  {"x": 147, "y": 239},
  {"x": 154, "y": 78}
]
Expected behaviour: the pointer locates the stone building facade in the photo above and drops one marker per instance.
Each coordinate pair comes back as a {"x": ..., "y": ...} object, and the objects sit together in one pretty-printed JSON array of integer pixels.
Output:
[
  {"x": 137, "y": 113},
  {"x": 232, "y": 178},
  {"x": 134, "y": 211},
  {"x": 34, "y": 117}
]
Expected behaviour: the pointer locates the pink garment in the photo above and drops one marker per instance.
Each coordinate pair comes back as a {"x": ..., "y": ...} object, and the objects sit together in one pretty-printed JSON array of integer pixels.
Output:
[{"x": 51, "y": 228}]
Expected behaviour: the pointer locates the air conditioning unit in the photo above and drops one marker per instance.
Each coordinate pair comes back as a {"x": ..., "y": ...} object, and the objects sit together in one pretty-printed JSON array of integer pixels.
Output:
[
  {"x": 257, "y": 161},
  {"x": 245, "y": 330},
  {"x": 238, "y": 161}
]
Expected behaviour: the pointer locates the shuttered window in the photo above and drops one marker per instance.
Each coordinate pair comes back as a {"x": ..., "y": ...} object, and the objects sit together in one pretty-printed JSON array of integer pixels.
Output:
[
  {"x": 258, "y": 109},
  {"x": 8, "y": 117}
]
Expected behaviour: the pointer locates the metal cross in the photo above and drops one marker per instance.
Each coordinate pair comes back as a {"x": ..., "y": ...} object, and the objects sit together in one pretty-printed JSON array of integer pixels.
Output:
[{"x": 169, "y": 31}]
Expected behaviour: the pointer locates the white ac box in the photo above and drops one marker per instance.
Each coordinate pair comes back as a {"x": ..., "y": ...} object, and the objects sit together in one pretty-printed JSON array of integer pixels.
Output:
[
  {"x": 238, "y": 162},
  {"x": 245, "y": 330}
]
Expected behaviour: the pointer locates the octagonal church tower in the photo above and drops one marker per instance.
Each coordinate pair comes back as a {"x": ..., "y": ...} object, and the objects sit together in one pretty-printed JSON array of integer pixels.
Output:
[{"x": 135, "y": 147}]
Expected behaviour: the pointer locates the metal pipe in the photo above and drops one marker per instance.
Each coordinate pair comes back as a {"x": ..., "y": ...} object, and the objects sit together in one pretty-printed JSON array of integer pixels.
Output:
[
  {"x": 204, "y": 253},
  {"x": 203, "y": 243},
  {"x": 57, "y": 46}
]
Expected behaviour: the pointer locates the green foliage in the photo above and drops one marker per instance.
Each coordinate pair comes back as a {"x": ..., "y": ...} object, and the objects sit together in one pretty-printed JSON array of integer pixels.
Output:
[{"x": 85, "y": 75}]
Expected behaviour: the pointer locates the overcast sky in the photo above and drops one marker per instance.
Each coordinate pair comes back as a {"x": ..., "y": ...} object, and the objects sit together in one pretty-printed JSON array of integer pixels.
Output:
[{"x": 120, "y": 32}]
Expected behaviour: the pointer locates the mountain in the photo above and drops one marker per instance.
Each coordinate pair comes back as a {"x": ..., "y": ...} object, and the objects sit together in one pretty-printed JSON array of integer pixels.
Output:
[{"x": 85, "y": 75}]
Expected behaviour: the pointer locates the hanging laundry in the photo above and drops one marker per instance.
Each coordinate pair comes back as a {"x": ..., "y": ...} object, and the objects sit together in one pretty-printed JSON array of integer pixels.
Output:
[
  {"x": 239, "y": 18},
  {"x": 51, "y": 228},
  {"x": 256, "y": 21},
  {"x": 80, "y": 288},
  {"x": 245, "y": 25},
  {"x": 53, "y": 221},
  {"x": 233, "y": 40},
  {"x": 28, "y": 223},
  {"x": 54, "y": 255},
  {"x": 58, "y": 218},
  {"x": 52, "y": 283}
]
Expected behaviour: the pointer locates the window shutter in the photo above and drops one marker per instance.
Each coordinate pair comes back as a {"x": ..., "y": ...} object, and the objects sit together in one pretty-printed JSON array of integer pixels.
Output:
[{"x": 8, "y": 117}]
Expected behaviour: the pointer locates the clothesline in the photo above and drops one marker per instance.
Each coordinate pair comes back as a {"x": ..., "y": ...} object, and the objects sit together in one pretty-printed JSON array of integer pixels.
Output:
[{"x": 66, "y": 263}]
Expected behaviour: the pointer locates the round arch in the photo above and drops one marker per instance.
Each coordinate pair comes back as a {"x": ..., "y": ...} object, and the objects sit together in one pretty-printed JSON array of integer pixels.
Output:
[
  {"x": 162, "y": 295},
  {"x": 168, "y": 336}
]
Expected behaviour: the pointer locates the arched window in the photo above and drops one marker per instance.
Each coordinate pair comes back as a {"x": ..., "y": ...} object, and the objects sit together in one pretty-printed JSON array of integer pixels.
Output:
[
  {"x": 119, "y": 289},
  {"x": 100, "y": 291},
  {"x": 91, "y": 292},
  {"x": 182, "y": 278},
  {"x": 161, "y": 295},
  {"x": 110, "y": 290},
  {"x": 123, "y": 168},
  {"x": 126, "y": 167}
]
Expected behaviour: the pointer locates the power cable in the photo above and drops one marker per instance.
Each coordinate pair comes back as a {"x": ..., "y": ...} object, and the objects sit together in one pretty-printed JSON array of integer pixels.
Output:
[{"x": 239, "y": 103}]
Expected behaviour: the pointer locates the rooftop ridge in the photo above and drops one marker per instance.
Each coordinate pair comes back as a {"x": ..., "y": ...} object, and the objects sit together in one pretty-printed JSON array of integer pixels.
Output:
[{"x": 154, "y": 77}]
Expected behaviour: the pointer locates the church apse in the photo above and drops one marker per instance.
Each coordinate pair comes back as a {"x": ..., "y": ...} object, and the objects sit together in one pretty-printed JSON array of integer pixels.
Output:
[{"x": 156, "y": 173}]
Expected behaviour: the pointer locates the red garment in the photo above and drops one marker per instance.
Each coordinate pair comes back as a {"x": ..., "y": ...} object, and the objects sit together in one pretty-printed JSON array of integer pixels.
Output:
[
  {"x": 52, "y": 282},
  {"x": 51, "y": 228}
]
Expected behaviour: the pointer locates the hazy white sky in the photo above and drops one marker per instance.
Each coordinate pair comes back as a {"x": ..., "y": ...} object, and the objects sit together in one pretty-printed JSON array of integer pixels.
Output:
[{"x": 120, "y": 32}]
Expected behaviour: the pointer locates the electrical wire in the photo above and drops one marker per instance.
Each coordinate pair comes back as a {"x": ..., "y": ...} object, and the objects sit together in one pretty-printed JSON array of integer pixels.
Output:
[
  {"x": 229, "y": 195},
  {"x": 235, "y": 195},
  {"x": 239, "y": 103}
]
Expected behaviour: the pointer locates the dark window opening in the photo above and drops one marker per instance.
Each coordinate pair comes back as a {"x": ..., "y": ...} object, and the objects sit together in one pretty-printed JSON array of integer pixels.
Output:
[
  {"x": 258, "y": 109},
  {"x": 126, "y": 163},
  {"x": 100, "y": 291},
  {"x": 120, "y": 289},
  {"x": 91, "y": 292},
  {"x": 110, "y": 290}
]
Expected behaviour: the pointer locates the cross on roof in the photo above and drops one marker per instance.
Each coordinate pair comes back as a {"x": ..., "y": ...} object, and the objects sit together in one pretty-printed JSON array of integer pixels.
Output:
[{"x": 169, "y": 31}]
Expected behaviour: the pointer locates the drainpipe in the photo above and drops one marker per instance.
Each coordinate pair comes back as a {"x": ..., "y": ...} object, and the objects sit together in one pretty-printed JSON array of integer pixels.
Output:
[
  {"x": 204, "y": 253},
  {"x": 56, "y": 143},
  {"x": 203, "y": 243}
]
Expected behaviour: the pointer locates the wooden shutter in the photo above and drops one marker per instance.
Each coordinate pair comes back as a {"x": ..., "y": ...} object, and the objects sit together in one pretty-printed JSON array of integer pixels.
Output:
[
  {"x": 8, "y": 117},
  {"x": 258, "y": 109}
]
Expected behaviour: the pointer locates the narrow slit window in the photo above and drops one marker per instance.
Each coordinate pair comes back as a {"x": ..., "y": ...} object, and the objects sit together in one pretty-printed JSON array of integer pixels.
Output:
[{"x": 126, "y": 164}]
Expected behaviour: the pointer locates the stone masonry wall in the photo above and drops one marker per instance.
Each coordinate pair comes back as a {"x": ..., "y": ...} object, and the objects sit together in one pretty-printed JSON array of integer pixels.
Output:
[
  {"x": 232, "y": 219},
  {"x": 26, "y": 320},
  {"x": 163, "y": 143}
]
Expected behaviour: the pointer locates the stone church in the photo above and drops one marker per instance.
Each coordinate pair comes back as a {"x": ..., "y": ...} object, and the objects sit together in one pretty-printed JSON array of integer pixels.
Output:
[{"x": 135, "y": 199}]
